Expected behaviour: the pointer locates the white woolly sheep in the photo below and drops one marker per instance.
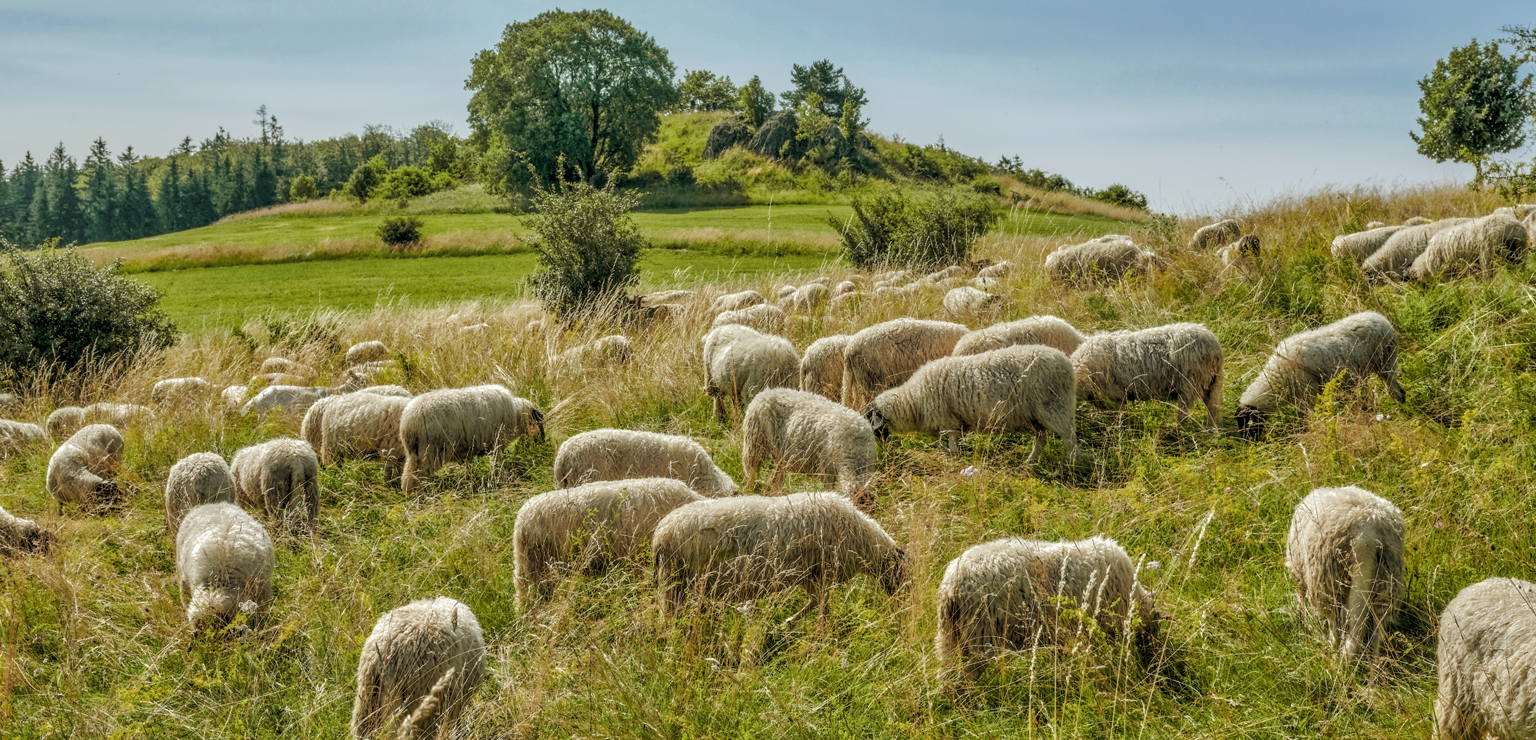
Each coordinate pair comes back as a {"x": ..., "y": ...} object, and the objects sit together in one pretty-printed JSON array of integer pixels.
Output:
[
  {"x": 276, "y": 379},
  {"x": 80, "y": 468},
  {"x": 885, "y": 355},
  {"x": 785, "y": 291},
  {"x": 844, "y": 288},
  {"x": 1104, "y": 259},
  {"x": 1024, "y": 388},
  {"x": 1487, "y": 654},
  {"x": 197, "y": 479},
  {"x": 821, "y": 369},
  {"x": 363, "y": 426},
  {"x": 388, "y": 390},
  {"x": 735, "y": 302},
  {"x": 668, "y": 296},
  {"x": 1375, "y": 225},
  {"x": 997, "y": 271},
  {"x": 587, "y": 529},
  {"x": 370, "y": 351},
  {"x": 284, "y": 365},
  {"x": 985, "y": 283},
  {"x": 1216, "y": 234},
  {"x": 19, "y": 536},
  {"x": 1472, "y": 247},
  {"x": 224, "y": 566},
  {"x": 291, "y": 398},
  {"x": 1180, "y": 363},
  {"x": 18, "y": 435},
  {"x": 310, "y": 430},
  {"x": 410, "y": 650},
  {"x": 1010, "y": 594},
  {"x": 69, "y": 419},
  {"x": 598, "y": 354},
  {"x": 1047, "y": 330},
  {"x": 749, "y": 547},
  {"x": 1417, "y": 221},
  {"x": 1241, "y": 255},
  {"x": 280, "y": 478},
  {"x": 174, "y": 389},
  {"x": 1358, "y": 246},
  {"x": 9, "y": 401},
  {"x": 1302, "y": 363},
  {"x": 1516, "y": 212},
  {"x": 619, "y": 454},
  {"x": 1396, "y": 255},
  {"x": 459, "y": 424},
  {"x": 1345, "y": 553},
  {"x": 966, "y": 301},
  {"x": 234, "y": 396},
  {"x": 806, "y": 433},
  {"x": 806, "y": 298},
  {"x": 740, "y": 362},
  {"x": 65, "y": 420},
  {"x": 762, "y": 317}
]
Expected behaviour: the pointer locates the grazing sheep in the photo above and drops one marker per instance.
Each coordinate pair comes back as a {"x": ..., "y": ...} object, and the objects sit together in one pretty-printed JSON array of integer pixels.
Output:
[
  {"x": 370, "y": 351},
  {"x": 361, "y": 375},
  {"x": 748, "y": 547},
  {"x": 223, "y": 566},
  {"x": 410, "y": 651},
  {"x": 458, "y": 424},
  {"x": 667, "y": 296},
  {"x": 1242, "y": 255},
  {"x": 806, "y": 298},
  {"x": 1107, "y": 258},
  {"x": 1216, "y": 234},
  {"x": 1181, "y": 363},
  {"x": 821, "y": 369},
  {"x": 284, "y": 365},
  {"x": 1417, "y": 221},
  {"x": 197, "y": 479},
  {"x": 1302, "y": 363},
  {"x": 1358, "y": 246},
  {"x": 291, "y": 398},
  {"x": 79, "y": 469},
  {"x": 985, "y": 283},
  {"x": 67, "y": 420},
  {"x": 388, "y": 390},
  {"x": 885, "y": 355},
  {"x": 363, "y": 426},
  {"x": 1396, "y": 255},
  {"x": 1010, "y": 594},
  {"x": 310, "y": 430},
  {"x": 234, "y": 396},
  {"x": 9, "y": 401},
  {"x": 276, "y": 379},
  {"x": 1047, "y": 330},
  {"x": 966, "y": 300},
  {"x": 1515, "y": 212},
  {"x": 997, "y": 271},
  {"x": 17, "y": 435},
  {"x": 844, "y": 288},
  {"x": 1025, "y": 388},
  {"x": 281, "y": 478},
  {"x": 63, "y": 421},
  {"x": 762, "y": 317},
  {"x": 619, "y": 454},
  {"x": 1472, "y": 247},
  {"x": 1345, "y": 553},
  {"x": 587, "y": 528},
  {"x": 19, "y": 536},
  {"x": 174, "y": 389},
  {"x": 785, "y": 291},
  {"x": 598, "y": 354},
  {"x": 740, "y": 362},
  {"x": 806, "y": 433},
  {"x": 1487, "y": 654},
  {"x": 735, "y": 302}
]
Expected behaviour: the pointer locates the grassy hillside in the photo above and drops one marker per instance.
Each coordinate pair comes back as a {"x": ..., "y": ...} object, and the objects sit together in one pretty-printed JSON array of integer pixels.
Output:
[{"x": 95, "y": 642}]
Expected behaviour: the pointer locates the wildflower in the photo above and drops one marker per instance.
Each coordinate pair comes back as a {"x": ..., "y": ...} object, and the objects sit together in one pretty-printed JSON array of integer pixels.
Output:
[{"x": 970, "y": 470}]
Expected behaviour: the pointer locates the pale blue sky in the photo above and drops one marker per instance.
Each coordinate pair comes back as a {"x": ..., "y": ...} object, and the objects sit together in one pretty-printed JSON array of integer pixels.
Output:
[{"x": 1200, "y": 105}]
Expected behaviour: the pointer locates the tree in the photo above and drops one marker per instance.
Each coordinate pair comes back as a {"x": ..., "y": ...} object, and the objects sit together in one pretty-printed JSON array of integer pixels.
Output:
[
  {"x": 136, "y": 216},
  {"x": 60, "y": 214},
  {"x": 702, "y": 90},
  {"x": 1475, "y": 104},
  {"x": 1522, "y": 38},
  {"x": 583, "y": 88},
  {"x": 821, "y": 78},
  {"x": 303, "y": 189},
  {"x": 754, "y": 102},
  {"x": 100, "y": 194}
]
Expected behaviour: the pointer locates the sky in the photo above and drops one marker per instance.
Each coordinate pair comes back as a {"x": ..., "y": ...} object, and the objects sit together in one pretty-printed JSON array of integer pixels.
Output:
[{"x": 1205, "y": 107}]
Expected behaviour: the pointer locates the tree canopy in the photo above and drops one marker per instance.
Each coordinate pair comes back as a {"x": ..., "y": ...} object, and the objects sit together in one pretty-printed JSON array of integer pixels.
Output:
[
  {"x": 821, "y": 78},
  {"x": 702, "y": 90},
  {"x": 1474, "y": 104},
  {"x": 582, "y": 84}
]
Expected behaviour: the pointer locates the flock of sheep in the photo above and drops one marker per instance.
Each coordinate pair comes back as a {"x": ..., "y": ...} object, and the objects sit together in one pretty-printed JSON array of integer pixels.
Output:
[{"x": 625, "y": 495}]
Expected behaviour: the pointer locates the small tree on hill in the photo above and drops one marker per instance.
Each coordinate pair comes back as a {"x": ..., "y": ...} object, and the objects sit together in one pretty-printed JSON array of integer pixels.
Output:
[
  {"x": 821, "y": 78},
  {"x": 1475, "y": 104},
  {"x": 754, "y": 102},
  {"x": 588, "y": 246},
  {"x": 702, "y": 90}
]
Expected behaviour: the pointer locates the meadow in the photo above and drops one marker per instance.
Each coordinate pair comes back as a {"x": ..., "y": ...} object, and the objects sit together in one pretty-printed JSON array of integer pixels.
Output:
[{"x": 95, "y": 640}]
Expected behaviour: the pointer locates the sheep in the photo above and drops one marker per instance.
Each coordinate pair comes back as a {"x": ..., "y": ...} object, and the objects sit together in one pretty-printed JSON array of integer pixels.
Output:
[
  {"x": 1487, "y": 653},
  {"x": 1047, "y": 330},
  {"x": 1417, "y": 221},
  {"x": 844, "y": 288},
  {"x": 457, "y": 424},
  {"x": 224, "y": 566},
  {"x": 785, "y": 291},
  {"x": 1302, "y": 363},
  {"x": 9, "y": 401},
  {"x": 806, "y": 298},
  {"x": 1026, "y": 388},
  {"x": 1358, "y": 246},
  {"x": 79, "y": 469},
  {"x": 1181, "y": 363},
  {"x": 1345, "y": 553},
  {"x": 294, "y": 398},
  {"x": 966, "y": 300},
  {"x": 807, "y": 433},
  {"x": 1216, "y": 234},
  {"x": 749, "y": 547},
  {"x": 284, "y": 365},
  {"x": 1396, "y": 255},
  {"x": 234, "y": 396},
  {"x": 67, "y": 420},
  {"x": 619, "y": 454},
  {"x": 363, "y": 426},
  {"x": 411, "y": 651},
  {"x": 735, "y": 302},
  {"x": 740, "y": 362},
  {"x": 167, "y": 391},
  {"x": 586, "y": 528},
  {"x": 997, "y": 271},
  {"x": 1010, "y": 594},
  {"x": 762, "y": 317},
  {"x": 18, "y": 435},
  {"x": 602, "y": 353},
  {"x": 1515, "y": 212},
  {"x": 388, "y": 390},
  {"x": 821, "y": 368},
  {"x": 64, "y": 420},
  {"x": 1103, "y": 259},
  {"x": 361, "y": 375},
  {"x": 275, "y": 379},
  {"x": 985, "y": 283},
  {"x": 19, "y": 536},
  {"x": 197, "y": 479},
  {"x": 370, "y": 351},
  {"x": 667, "y": 296},
  {"x": 1471, "y": 247},
  {"x": 310, "y": 430},
  {"x": 944, "y": 274},
  {"x": 1242, "y": 255},
  {"x": 885, "y": 355},
  {"x": 281, "y": 478}
]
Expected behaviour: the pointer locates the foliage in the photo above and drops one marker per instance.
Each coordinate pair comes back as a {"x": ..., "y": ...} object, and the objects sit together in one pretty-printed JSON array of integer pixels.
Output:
[
  {"x": 58, "y": 308},
  {"x": 410, "y": 182},
  {"x": 755, "y": 102},
  {"x": 364, "y": 179},
  {"x": 826, "y": 81},
  {"x": 1522, "y": 38},
  {"x": 1475, "y": 104},
  {"x": 1513, "y": 180},
  {"x": 702, "y": 90},
  {"x": 400, "y": 231},
  {"x": 916, "y": 228},
  {"x": 1121, "y": 195},
  {"x": 583, "y": 90},
  {"x": 818, "y": 136},
  {"x": 588, "y": 246},
  {"x": 303, "y": 189}
]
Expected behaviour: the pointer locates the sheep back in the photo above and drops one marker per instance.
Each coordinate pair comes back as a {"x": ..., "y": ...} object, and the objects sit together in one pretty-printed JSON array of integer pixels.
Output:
[
  {"x": 363, "y": 426},
  {"x": 885, "y": 355},
  {"x": 821, "y": 368},
  {"x": 1473, "y": 247},
  {"x": 1397, "y": 253},
  {"x": 281, "y": 478},
  {"x": 1345, "y": 554},
  {"x": 199, "y": 478},
  {"x": 1107, "y": 258},
  {"x": 735, "y": 302},
  {"x": 224, "y": 565},
  {"x": 458, "y": 424},
  {"x": 370, "y": 351},
  {"x": 806, "y": 433},
  {"x": 620, "y": 454},
  {"x": 1358, "y": 246},
  {"x": 1181, "y": 363},
  {"x": 1047, "y": 330},
  {"x": 762, "y": 317},
  {"x": 1487, "y": 653},
  {"x": 740, "y": 362},
  {"x": 1215, "y": 234},
  {"x": 79, "y": 469},
  {"x": 17, "y": 435},
  {"x": 1356, "y": 346},
  {"x": 408, "y": 652}
]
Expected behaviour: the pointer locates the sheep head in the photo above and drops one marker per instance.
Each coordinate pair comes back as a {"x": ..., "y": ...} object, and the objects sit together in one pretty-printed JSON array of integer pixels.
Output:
[
  {"x": 877, "y": 422},
  {"x": 893, "y": 571}
]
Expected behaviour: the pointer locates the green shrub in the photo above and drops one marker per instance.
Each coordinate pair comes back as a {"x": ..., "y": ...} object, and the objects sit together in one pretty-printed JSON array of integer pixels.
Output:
[
  {"x": 986, "y": 186},
  {"x": 588, "y": 246},
  {"x": 916, "y": 228},
  {"x": 56, "y": 307},
  {"x": 303, "y": 189},
  {"x": 1121, "y": 195},
  {"x": 411, "y": 182},
  {"x": 364, "y": 179},
  {"x": 400, "y": 231}
]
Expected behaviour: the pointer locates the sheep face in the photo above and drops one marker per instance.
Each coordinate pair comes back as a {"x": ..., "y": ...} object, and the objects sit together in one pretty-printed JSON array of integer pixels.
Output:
[
  {"x": 878, "y": 423},
  {"x": 1250, "y": 421},
  {"x": 217, "y": 608},
  {"x": 538, "y": 425},
  {"x": 893, "y": 574},
  {"x": 106, "y": 495}
]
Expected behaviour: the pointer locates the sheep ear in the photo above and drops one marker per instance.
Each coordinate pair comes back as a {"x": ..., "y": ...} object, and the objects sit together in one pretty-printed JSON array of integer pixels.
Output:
[{"x": 538, "y": 416}]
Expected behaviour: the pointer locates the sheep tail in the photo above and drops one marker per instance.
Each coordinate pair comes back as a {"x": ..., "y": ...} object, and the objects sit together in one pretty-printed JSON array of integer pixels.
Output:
[
  {"x": 1362, "y": 592},
  {"x": 427, "y": 712}
]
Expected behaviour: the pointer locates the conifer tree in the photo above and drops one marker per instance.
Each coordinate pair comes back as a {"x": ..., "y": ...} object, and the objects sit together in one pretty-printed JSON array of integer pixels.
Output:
[
  {"x": 136, "y": 217},
  {"x": 100, "y": 194},
  {"x": 66, "y": 219}
]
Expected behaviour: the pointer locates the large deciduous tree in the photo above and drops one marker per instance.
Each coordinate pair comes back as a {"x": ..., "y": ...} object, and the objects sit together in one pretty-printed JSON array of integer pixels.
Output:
[
  {"x": 583, "y": 84},
  {"x": 1475, "y": 104}
]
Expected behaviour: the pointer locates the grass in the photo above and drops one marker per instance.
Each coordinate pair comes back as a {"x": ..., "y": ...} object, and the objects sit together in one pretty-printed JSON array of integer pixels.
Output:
[{"x": 94, "y": 642}]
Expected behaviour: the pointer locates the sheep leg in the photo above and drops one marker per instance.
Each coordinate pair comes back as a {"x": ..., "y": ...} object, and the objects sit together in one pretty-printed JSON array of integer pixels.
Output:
[
  {"x": 720, "y": 409},
  {"x": 1394, "y": 389},
  {"x": 1034, "y": 454},
  {"x": 749, "y": 473},
  {"x": 954, "y": 442}
]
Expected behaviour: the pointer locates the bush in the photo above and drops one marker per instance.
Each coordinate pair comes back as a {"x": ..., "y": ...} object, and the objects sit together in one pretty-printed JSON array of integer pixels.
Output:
[
  {"x": 1121, "y": 195},
  {"x": 303, "y": 189},
  {"x": 588, "y": 245},
  {"x": 922, "y": 229},
  {"x": 364, "y": 179},
  {"x": 56, "y": 307},
  {"x": 411, "y": 182},
  {"x": 400, "y": 231}
]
